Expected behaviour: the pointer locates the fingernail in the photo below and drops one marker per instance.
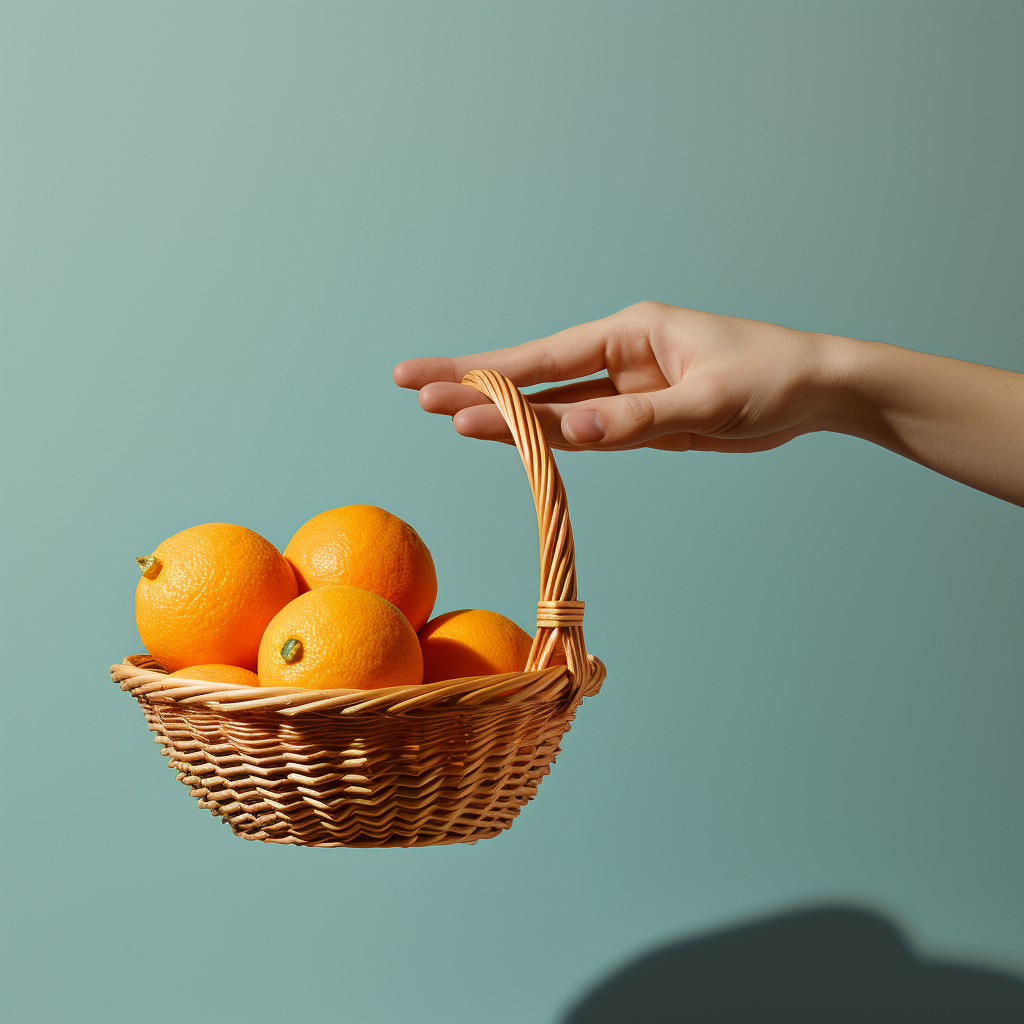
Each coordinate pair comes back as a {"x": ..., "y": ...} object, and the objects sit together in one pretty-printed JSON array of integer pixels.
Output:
[{"x": 583, "y": 427}]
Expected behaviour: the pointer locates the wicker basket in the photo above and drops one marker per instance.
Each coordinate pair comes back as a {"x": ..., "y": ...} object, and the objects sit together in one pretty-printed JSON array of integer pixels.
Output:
[{"x": 446, "y": 762}]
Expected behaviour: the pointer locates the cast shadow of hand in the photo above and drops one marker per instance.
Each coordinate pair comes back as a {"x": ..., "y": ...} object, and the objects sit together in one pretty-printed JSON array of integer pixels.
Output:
[{"x": 821, "y": 966}]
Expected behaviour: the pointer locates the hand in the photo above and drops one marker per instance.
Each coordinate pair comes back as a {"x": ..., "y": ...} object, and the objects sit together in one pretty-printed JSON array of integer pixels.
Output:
[
  {"x": 677, "y": 379},
  {"x": 680, "y": 379}
]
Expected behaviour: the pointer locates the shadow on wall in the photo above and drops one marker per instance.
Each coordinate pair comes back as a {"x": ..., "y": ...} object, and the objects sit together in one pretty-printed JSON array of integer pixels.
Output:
[{"x": 826, "y": 966}]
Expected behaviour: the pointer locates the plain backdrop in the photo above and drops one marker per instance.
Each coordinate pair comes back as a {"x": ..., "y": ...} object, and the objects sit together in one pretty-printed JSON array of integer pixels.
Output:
[{"x": 224, "y": 223}]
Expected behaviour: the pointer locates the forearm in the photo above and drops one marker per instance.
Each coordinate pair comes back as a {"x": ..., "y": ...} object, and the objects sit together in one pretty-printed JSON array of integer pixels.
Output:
[{"x": 961, "y": 419}]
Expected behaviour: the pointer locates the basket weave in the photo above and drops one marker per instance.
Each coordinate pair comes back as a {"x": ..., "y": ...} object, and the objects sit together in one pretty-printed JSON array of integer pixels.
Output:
[{"x": 426, "y": 765}]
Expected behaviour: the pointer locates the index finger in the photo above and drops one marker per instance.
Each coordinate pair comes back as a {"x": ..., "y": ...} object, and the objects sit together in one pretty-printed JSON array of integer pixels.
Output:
[{"x": 575, "y": 352}]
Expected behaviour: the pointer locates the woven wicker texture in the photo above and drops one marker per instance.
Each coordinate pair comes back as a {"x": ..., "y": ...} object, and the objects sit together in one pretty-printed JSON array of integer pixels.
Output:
[{"x": 446, "y": 762}]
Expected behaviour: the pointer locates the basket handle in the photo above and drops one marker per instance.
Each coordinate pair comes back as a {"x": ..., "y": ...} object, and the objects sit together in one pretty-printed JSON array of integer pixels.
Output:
[{"x": 559, "y": 614}]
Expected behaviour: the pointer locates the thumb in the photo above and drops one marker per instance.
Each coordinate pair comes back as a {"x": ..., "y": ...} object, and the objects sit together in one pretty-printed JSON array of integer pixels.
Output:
[{"x": 621, "y": 421}]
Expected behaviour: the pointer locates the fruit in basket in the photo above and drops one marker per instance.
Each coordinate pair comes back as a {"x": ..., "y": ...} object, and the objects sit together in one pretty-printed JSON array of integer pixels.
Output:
[
  {"x": 472, "y": 642},
  {"x": 218, "y": 674},
  {"x": 207, "y": 594},
  {"x": 342, "y": 637},
  {"x": 364, "y": 546}
]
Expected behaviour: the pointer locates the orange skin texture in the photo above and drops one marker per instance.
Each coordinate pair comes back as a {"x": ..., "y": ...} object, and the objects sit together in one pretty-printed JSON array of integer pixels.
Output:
[
  {"x": 218, "y": 674},
  {"x": 364, "y": 546},
  {"x": 351, "y": 639},
  {"x": 472, "y": 642},
  {"x": 217, "y": 588}
]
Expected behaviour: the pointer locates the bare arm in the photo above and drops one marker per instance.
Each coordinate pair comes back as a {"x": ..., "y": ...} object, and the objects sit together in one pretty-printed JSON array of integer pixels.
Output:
[
  {"x": 683, "y": 380},
  {"x": 961, "y": 419}
]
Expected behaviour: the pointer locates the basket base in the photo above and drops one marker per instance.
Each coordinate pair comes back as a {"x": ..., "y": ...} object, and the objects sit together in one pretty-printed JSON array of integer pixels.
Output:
[
  {"x": 329, "y": 790},
  {"x": 432, "y": 776},
  {"x": 257, "y": 821},
  {"x": 372, "y": 843}
]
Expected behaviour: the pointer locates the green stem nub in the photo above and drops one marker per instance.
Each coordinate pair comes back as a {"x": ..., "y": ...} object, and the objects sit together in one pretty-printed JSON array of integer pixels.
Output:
[
  {"x": 291, "y": 651},
  {"x": 150, "y": 566}
]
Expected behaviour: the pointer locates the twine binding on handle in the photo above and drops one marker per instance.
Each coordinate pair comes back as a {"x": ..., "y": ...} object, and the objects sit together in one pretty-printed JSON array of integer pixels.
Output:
[
  {"x": 447, "y": 762},
  {"x": 552, "y": 614}
]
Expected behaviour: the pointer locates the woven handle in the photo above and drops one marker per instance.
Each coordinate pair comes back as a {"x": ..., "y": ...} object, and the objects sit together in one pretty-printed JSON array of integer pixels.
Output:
[{"x": 559, "y": 614}]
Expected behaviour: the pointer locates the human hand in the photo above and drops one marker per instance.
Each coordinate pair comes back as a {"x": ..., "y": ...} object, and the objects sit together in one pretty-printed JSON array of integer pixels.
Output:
[
  {"x": 683, "y": 380},
  {"x": 677, "y": 379}
]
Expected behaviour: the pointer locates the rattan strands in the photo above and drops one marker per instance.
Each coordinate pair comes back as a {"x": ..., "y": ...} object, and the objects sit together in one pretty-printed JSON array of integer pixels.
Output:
[{"x": 425, "y": 765}]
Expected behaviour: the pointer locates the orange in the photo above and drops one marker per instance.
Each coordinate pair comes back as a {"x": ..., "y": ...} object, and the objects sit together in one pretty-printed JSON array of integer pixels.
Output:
[
  {"x": 363, "y": 546},
  {"x": 340, "y": 637},
  {"x": 219, "y": 674},
  {"x": 472, "y": 642},
  {"x": 206, "y": 596}
]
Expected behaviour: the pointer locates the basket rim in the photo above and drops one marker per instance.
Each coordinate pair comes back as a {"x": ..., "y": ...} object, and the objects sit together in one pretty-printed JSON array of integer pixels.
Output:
[{"x": 146, "y": 680}]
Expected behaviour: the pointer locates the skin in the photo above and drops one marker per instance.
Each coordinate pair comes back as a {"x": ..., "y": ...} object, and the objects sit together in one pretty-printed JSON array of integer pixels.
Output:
[{"x": 682, "y": 380}]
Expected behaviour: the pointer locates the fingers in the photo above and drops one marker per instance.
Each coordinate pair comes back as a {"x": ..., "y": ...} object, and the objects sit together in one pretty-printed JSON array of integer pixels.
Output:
[
  {"x": 414, "y": 373},
  {"x": 487, "y": 423},
  {"x": 575, "y": 352},
  {"x": 623, "y": 420},
  {"x": 482, "y": 422},
  {"x": 448, "y": 399},
  {"x": 475, "y": 416}
]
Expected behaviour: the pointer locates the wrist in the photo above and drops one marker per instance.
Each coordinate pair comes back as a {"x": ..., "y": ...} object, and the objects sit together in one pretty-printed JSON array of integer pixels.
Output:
[
  {"x": 955, "y": 417},
  {"x": 850, "y": 401}
]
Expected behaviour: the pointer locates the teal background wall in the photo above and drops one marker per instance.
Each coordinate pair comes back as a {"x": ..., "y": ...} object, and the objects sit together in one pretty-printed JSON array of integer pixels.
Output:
[{"x": 224, "y": 224}]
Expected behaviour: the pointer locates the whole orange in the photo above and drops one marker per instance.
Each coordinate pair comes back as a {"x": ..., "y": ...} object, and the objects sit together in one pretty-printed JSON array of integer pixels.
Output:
[
  {"x": 218, "y": 674},
  {"x": 364, "y": 546},
  {"x": 472, "y": 642},
  {"x": 340, "y": 637},
  {"x": 206, "y": 596}
]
